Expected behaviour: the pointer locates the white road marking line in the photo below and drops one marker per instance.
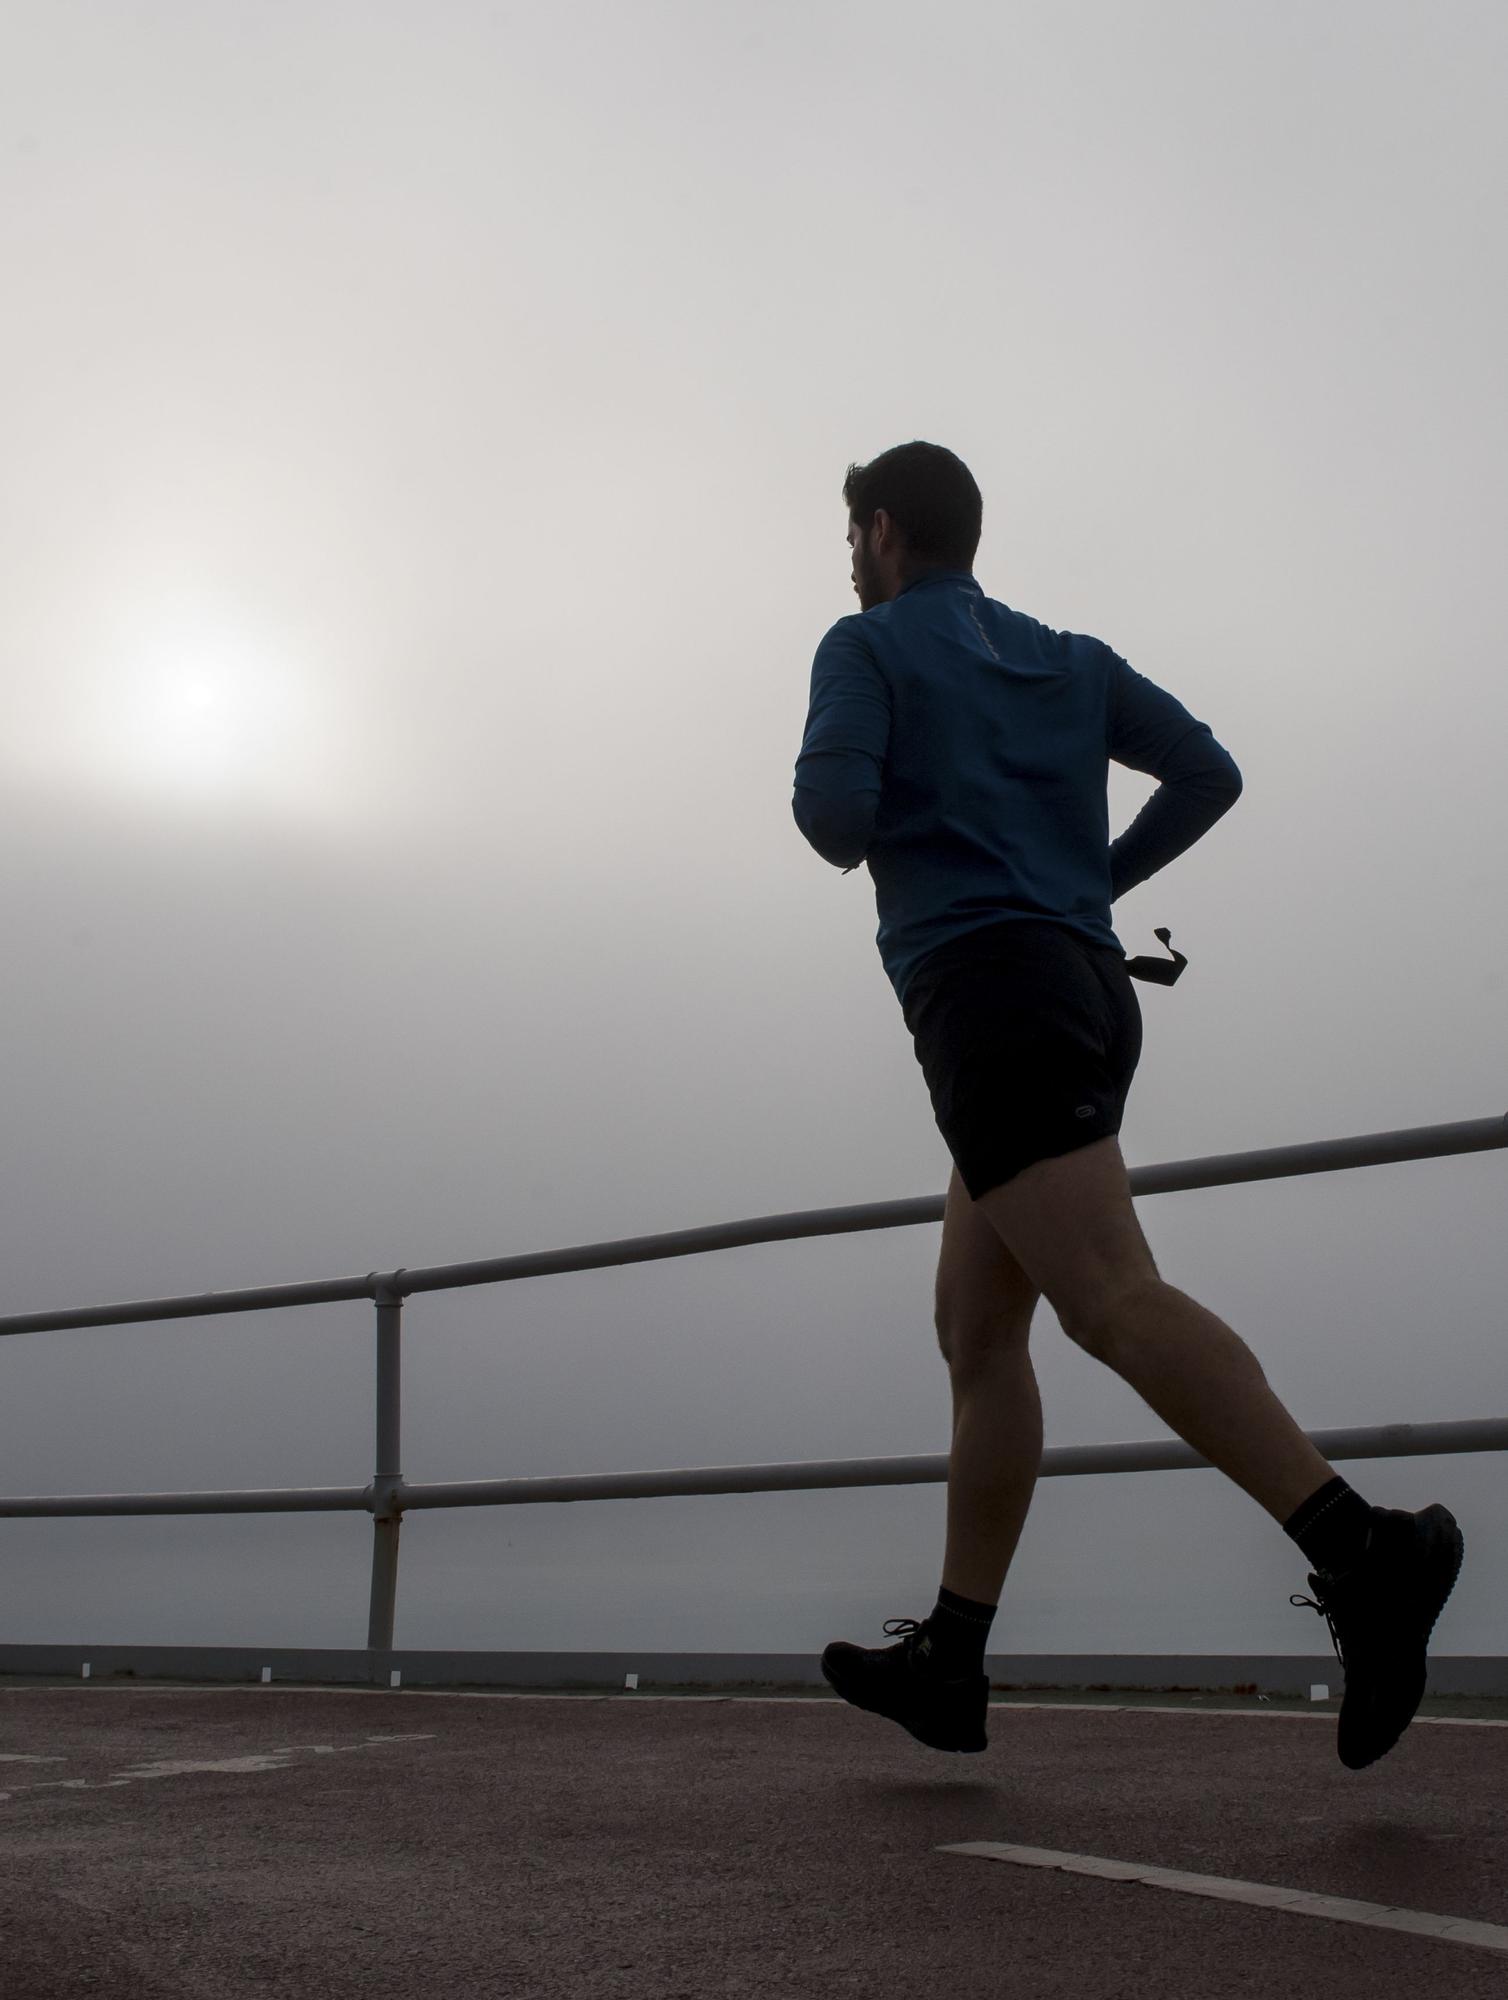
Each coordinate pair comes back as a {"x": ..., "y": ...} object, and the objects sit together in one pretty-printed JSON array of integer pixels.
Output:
[
  {"x": 177, "y": 1767},
  {"x": 266, "y": 1760},
  {"x": 335, "y": 1749},
  {"x": 790, "y": 1700},
  {"x": 1300, "y": 1902},
  {"x": 1310, "y": 1714},
  {"x": 16, "y": 1757}
]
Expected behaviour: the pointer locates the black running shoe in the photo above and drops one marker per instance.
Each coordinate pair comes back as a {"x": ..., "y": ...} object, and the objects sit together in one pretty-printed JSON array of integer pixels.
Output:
[
  {"x": 902, "y": 1682},
  {"x": 1381, "y": 1612}
]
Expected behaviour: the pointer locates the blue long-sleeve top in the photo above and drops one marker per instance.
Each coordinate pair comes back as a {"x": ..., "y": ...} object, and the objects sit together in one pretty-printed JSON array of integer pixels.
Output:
[{"x": 961, "y": 750}]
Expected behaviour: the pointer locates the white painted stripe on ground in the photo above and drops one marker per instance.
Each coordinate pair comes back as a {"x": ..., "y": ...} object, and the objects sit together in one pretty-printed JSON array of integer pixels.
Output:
[
  {"x": 1298, "y": 1902},
  {"x": 262, "y": 1760},
  {"x": 1318, "y": 1712}
]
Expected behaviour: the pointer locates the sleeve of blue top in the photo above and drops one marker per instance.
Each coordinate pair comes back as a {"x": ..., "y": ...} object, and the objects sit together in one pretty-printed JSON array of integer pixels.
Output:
[
  {"x": 841, "y": 765},
  {"x": 1148, "y": 730}
]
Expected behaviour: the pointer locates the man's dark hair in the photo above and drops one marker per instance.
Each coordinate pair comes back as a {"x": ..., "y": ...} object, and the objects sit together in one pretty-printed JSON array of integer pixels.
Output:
[{"x": 930, "y": 495}]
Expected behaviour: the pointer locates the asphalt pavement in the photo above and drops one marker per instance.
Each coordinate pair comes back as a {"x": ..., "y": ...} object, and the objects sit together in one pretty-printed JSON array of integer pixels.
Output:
[{"x": 194, "y": 1843}]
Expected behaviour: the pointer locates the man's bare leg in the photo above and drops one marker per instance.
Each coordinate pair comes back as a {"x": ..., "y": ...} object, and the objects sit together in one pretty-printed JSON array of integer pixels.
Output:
[
  {"x": 1206, "y": 1384},
  {"x": 1070, "y": 1224},
  {"x": 1183, "y": 1361},
  {"x": 992, "y": 1471}
]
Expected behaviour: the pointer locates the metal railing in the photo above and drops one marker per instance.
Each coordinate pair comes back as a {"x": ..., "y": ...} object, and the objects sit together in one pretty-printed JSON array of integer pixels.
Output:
[{"x": 388, "y": 1496}]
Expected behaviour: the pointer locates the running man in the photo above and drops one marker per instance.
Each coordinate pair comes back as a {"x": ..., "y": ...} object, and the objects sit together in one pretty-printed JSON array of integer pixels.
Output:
[{"x": 960, "y": 749}]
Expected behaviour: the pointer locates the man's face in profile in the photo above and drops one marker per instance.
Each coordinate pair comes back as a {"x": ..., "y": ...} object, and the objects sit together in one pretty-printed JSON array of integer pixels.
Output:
[{"x": 873, "y": 577}]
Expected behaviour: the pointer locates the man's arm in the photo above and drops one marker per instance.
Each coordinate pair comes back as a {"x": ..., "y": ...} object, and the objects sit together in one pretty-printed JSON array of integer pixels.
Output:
[
  {"x": 841, "y": 764},
  {"x": 1149, "y": 730}
]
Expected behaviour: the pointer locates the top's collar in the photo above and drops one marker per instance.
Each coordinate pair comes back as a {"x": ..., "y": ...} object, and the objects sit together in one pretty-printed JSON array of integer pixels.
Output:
[{"x": 942, "y": 576}]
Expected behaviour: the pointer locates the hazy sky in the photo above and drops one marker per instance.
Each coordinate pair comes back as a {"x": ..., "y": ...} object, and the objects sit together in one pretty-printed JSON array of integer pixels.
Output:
[{"x": 424, "y": 433}]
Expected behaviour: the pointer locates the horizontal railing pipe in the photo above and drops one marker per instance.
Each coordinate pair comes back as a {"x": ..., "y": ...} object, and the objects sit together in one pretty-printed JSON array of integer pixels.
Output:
[
  {"x": 798, "y": 1475},
  {"x": 927, "y": 1468},
  {"x": 256, "y": 1298},
  {"x": 387, "y": 1496},
  {"x": 256, "y": 1500},
  {"x": 1420, "y": 1142},
  {"x": 1323, "y": 1156}
]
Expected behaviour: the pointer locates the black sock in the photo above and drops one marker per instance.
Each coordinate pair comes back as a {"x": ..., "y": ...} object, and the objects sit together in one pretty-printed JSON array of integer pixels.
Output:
[
  {"x": 958, "y": 1629},
  {"x": 1332, "y": 1526}
]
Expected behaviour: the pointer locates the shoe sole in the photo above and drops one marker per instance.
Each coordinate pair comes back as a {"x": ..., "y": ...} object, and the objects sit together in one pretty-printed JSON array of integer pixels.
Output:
[
  {"x": 933, "y": 1741},
  {"x": 1442, "y": 1537}
]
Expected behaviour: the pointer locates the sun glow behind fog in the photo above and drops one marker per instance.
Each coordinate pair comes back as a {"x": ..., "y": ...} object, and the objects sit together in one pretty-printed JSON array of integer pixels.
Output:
[
  {"x": 196, "y": 726},
  {"x": 207, "y": 721}
]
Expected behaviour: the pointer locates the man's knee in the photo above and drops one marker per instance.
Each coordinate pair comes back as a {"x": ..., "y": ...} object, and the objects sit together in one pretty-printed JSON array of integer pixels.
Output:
[
  {"x": 1102, "y": 1324},
  {"x": 1072, "y": 1226}
]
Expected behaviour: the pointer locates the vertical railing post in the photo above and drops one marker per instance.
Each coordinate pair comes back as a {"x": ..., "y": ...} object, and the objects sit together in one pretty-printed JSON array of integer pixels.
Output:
[{"x": 387, "y": 1481}]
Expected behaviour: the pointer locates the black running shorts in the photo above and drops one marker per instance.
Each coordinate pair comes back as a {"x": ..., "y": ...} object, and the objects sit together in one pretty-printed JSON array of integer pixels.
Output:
[{"x": 1028, "y": 1035}]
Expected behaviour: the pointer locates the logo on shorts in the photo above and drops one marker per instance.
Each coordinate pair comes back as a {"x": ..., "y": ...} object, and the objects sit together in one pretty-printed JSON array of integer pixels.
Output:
[{"x": 1084, "y": 1111}]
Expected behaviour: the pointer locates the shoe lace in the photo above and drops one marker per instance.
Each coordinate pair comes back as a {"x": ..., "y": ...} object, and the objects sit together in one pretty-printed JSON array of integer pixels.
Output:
[
  {"x": 904, "y": 1625},
  {"x": 1323, "y": 1608}
]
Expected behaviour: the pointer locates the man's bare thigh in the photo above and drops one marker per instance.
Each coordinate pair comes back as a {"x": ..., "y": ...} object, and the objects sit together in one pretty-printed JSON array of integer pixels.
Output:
[
  {"x": 984, "y": 1300},
  {"x": 1071, "y": 1225}
]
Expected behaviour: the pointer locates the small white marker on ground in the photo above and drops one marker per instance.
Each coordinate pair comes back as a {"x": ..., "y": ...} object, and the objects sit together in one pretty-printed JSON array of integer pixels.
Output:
[
  {"x": 630, "y": 1680},
  {"x": 1319, "y": 1691},
  {"x": 266, "y": 1675},
  {"x": 85, "y": 1675},
  {"x": 395, "y": 1678}
]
